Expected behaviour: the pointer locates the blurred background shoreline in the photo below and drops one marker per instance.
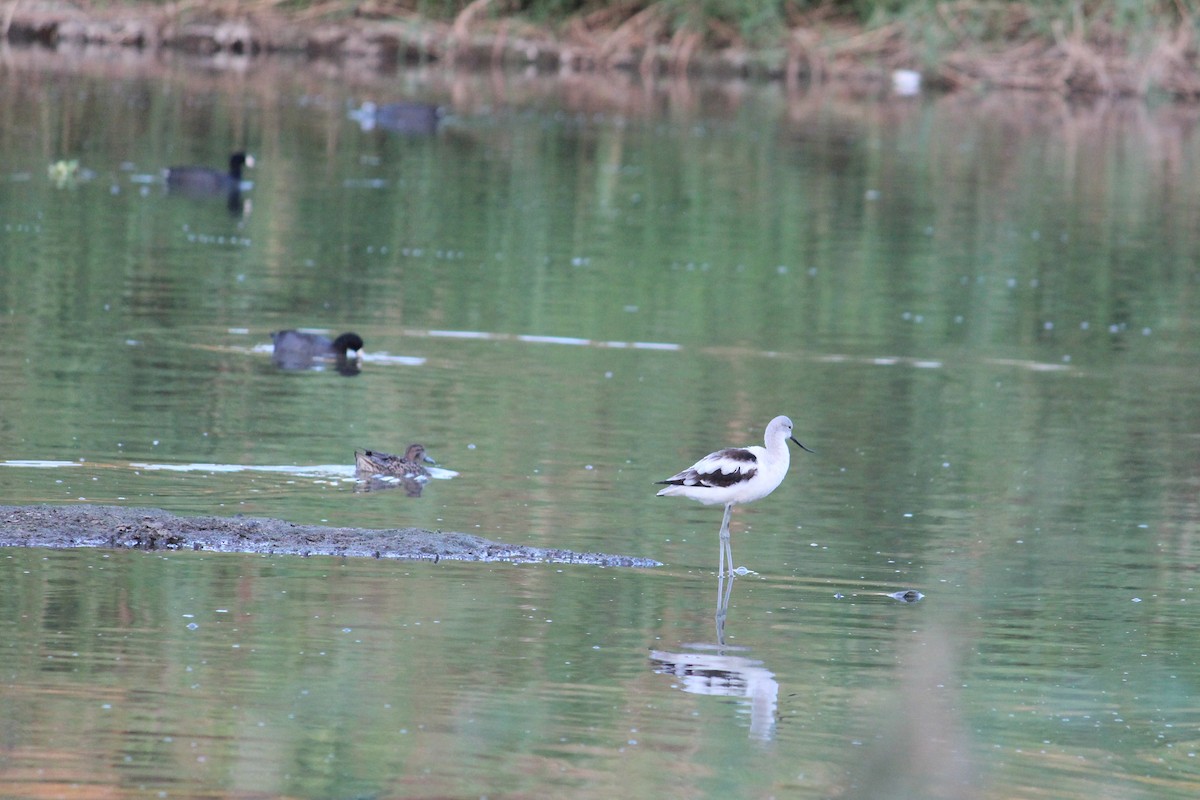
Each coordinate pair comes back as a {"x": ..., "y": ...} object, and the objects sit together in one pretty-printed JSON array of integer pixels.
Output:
[{"x": 1104, "y": 48}]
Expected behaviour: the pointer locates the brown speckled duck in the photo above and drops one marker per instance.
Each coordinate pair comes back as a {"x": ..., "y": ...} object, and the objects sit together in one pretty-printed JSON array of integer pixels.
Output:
[{"x": 372, "y": 463}]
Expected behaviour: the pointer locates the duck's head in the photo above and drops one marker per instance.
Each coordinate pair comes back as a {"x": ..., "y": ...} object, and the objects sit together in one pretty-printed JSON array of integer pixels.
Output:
[{"x": 416, "y": 453}]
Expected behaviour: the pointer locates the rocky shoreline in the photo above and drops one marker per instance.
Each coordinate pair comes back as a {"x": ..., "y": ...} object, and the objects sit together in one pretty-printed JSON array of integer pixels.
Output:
[{"x": 155, "y": 529}]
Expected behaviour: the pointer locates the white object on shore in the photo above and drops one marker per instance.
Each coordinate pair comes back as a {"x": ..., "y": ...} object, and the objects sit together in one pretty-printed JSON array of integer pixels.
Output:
[{"x": 906, "y": 82}]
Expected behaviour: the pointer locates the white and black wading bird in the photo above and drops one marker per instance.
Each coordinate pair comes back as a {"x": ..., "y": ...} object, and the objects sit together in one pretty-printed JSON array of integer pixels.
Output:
[{"x": 736, "y": 475}]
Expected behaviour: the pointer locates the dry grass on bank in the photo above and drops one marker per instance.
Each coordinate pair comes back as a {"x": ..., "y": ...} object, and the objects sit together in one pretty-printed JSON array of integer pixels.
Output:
[{"x": 1071, "y": 47}]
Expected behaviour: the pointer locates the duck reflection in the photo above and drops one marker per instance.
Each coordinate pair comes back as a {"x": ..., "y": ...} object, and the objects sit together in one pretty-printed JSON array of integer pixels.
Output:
[
  {"x": 412, "y": 487},
  {"x": 716, "y": 672}
]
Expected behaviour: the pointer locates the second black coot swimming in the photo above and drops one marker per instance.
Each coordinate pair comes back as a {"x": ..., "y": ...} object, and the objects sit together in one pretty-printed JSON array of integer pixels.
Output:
[
  {"x": 206, "y": 180},
  {"x": 300, "y": 350},
  {"x": 416, "y": 119}
]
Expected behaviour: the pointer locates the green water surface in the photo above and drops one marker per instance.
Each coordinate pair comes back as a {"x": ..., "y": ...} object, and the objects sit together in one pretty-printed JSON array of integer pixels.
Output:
[{"x": 979, "y": 312}]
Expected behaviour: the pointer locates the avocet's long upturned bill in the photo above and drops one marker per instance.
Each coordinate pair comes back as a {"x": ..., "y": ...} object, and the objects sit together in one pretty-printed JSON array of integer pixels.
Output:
[{"x": 736, "y": 475}]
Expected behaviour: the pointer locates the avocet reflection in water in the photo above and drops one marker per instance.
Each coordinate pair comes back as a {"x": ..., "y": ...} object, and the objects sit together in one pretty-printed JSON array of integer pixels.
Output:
[{"x": 714, "y": 669}]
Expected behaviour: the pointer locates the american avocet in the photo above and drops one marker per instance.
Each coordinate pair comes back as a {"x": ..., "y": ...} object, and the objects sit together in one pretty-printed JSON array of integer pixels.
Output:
[
  {"x": 736, "y": 475},
  {"x": 301, "y": 350},
  {"x": 371, "y": 463}
]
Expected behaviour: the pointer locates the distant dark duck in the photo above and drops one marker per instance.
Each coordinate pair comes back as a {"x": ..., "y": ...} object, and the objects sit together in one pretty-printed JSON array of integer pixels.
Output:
[
  {"x": 403, "y": 117},
  {"x": 372, "y": 463},
  {"x": 299, "y": 350},
  {"x": 205, "y": 180}
]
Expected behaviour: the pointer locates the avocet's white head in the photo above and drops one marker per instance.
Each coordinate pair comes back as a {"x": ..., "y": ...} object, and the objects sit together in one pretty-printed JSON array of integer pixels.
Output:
[{"x": 780, "y": 430}]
